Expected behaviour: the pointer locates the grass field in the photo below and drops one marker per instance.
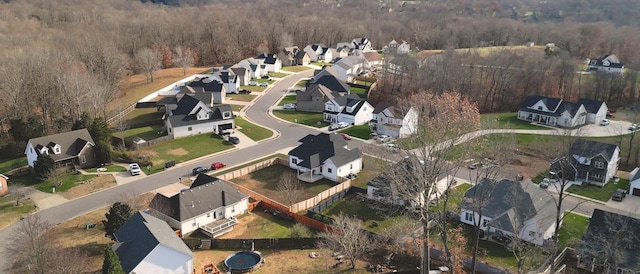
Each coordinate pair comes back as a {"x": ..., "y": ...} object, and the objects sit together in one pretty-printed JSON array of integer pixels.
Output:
[
  {"x": 11, "y": 212},
  {"x": 572, "y": 229},
  {"x": 253, "y": 88},
  {"x": 361, "y": 131},
  {"x": 371, "y": 168},
  {"x": 296, "y": 68},
  {"x": 146, "y": 132},
  {"x": 252, "y": 131},
  {"x": 111, "y": 168},
  {"x": 10, "y": 164},
  {"x": 302, "y": 83},
  {"x": 184, "y": 149},
  {"x": 351, "y": 207},
  {"x": 306, "y": 118},
  {"x": 357, "y": 90},
  {"x": 241, "y": 97},
  {"x": 277, "y": 74},
  {"x": 506, "y": 120},
  {"x": 599, "y": 193},
  {"x": 289, "y": 99},
  {"x": 142, "y": 115}
]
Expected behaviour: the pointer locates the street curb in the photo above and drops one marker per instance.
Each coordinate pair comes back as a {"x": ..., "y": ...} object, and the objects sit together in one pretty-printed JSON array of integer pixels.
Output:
[{"x": 586, "y": 198}]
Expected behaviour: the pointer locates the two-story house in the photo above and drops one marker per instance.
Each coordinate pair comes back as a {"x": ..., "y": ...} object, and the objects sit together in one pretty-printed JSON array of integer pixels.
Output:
[
  {"x": 210, "y": 205},
  {"x": 191, "y": 116},
  {"x": 205, "y": 89},
  {"x": 253, "y": 67},
  {"x": 313, "y": 98},
  {"x": 394, "y": 121},
  {"x": 348, "y": 67},
  {"x": 328, "y": 77},
  {"x": 588, "y": 161},
  {"x": 387, "y": 188},
  {"x": 349, "y": 109},
  {"x": 75, "y": 148},
  {"x": 324, "y": 156},
  {"x": 558, "y": 112},
  {"x": 609, "y": 63},
  {"x": 293, "y": 56},
  {"x": 396, "y": 48},
  {"x": 270, "y": 62},
  {"x": 319, "y": 53}
]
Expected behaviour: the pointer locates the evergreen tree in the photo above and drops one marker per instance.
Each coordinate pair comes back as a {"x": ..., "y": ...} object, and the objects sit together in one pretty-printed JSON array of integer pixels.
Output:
[
  {"x": 111, "y": 263},
  {"x": 100, "y": 130},
  {"x": 23, "y": 131},
  {"x": 84, "y": 122},
  {"x": 103, "y": 152},
  {"x": 43, "y": 166},
  {"x": 118, "y": 214}
]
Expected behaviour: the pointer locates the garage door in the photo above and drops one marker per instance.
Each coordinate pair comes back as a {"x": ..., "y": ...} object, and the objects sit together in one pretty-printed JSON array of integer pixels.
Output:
[{"x": 636, "y": 192}]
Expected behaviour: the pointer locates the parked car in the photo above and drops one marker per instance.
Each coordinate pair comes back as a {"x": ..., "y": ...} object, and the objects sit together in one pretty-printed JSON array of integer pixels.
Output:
[
  {"x": 345, "y": 136},
  {"x": 289, "y": 106},
  {"x": 244, "y": 91},
  {"x": 604, "y": 122},
  {"x": 545, "y": 183},
  {"x": 264, "y": 84},
  {"x": 352, "y": 176},
  {"x": 619, "y": 194},
  {"x": 199, "y": 170},
  {"x": 217, "y": 165},
  {"x": 134, "y": 169},
  {"x": 343, "y": 124},
  {"x": 265, "y": 77},
  {"x": 383, "y": 138},
  {"x": 253, "y": 83},
  {"x": 334, "y": 127},
  {"x": 634, "y": 127},
  {"x": 234, "y": 140}
]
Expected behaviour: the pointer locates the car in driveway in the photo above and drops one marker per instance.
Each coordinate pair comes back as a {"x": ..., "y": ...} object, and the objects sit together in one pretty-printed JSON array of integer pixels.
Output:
[
  {"x": 345, "y": 136},
  {"x": 264, "y": 84},
  {"x": 619, "y": 194},
  {"x": 545, "y": 183},
  {"x": 343, "y": 124},
  {"x": 134, "y": 169},
  {"x": 334, "y": 127},
  {"x": 289, "y": 106},
  {"x": 199, "y": 170},
  {"x": 634, "y": 127},
  {"x": 217, "y": 165},
  {"x": 253, "y": 83},
  {"x": 383, "y": 138},
  {"x": 234, "y": 140},
  {"x": 604, "y": 122}
]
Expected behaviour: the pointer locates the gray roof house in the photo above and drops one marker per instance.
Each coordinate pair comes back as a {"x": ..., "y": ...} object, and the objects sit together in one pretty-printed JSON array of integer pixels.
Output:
[
  {"x": 146, "y": 244},
  {"x": 384, "y": 188},
  {"x": 553, "y": 112},
  {"x": 324, "y": 156},
  {"x": 75, "y": 148},
  {"x": 608, "y": 63},
  {"x": 589, "y": 162},
  {"x": 505, "y": 207},
  {"x": 328, "y": 77},
  {"x": 611, "y": 244},
  {"x": 191, "y": 116},
  {"x": 210, "y": 205},
  {"x": 313, "y": 98}
]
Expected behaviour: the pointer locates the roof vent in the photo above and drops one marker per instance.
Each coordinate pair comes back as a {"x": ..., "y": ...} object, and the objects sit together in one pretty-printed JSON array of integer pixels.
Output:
[{"x": 192, "y": 204}]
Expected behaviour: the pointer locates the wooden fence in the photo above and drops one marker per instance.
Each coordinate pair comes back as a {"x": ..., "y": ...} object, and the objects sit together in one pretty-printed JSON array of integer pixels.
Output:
[
  {"x": 254, "y": 167},
  {"x": 153, "y": 142},
  {"x": 122, "y": 114}
]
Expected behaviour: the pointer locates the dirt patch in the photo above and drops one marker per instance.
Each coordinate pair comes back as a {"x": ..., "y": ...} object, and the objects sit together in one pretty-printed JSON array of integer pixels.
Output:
[
  {"x": 525, "y": 165},
  {"x": 178, "y": 152},
  {"x": 83, "y": 188}
]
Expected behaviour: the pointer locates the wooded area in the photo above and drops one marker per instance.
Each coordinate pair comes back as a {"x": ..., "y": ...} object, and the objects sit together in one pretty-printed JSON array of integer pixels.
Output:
[{"x": 62, "y": 58}]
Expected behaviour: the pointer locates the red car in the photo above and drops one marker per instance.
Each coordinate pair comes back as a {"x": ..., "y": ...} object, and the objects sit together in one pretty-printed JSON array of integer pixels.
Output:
[
  {"x": 345, "y": 136},
  {"x": 217, "y": 165}
]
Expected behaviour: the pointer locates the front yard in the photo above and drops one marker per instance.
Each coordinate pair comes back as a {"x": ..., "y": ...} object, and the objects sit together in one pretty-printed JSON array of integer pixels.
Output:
[
  {"x": 288, "y": 99},
  {"x": 241, "y": 97},
  {"x": 299, "y": 117},
  {"x": 252, "y": 131},
  {"x": 506, "y": 120},
  {"x": 599, "y": 193},
  {"x": 184, "y": 149},
  {"x": 296, "y": 68},
  {"x": 361, "y": 131},
  {"x": 573, "y": 227}
]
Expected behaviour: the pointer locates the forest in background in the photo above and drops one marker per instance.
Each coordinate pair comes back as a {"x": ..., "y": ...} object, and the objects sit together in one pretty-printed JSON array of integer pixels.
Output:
[{"x": 66, "y": 57}]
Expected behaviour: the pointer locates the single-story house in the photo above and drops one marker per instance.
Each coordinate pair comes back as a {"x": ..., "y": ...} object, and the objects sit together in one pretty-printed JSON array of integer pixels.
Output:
[
  {"x": 191, "y": 116},
  {"x": 350, "y": 109},
  {"x": 588, "y": 161},
  {"x": 557, "y": 112},
  {"x": 75, "y": 148},
  {"x": 210, "y": 205},
  {"x": 394, "y": 121},
  {"x": 146, "y": 244},
  {"x": 324, "y": 156},
  {"x": 609, "y": 63},
  {"x": 610, "y": 245},
  {"x": 514, "y": 209}
]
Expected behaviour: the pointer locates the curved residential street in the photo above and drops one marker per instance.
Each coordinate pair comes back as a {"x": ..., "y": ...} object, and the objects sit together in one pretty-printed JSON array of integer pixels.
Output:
[{"x": 287, "y": 135}]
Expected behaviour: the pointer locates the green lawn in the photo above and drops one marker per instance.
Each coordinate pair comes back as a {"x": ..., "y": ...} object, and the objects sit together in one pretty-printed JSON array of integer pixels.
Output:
[
  {"x": 302, "y": 83},
  {"x": 277, "y": 74},
  {"x": 252, "y": 131},
  {"x": 315, "y": 63},
  {"x": 362, "y": 131},
  {"x": 367, "y": 83},
  {"x": 142, "y": 115},
  {"x": 241, "y": 97},
  {"x": 184, "y": 149},
  {"x": 506, "y": 120},
  {"x": 360, "y": 210},
  {"x": 111, "y": 168},
  {"x": 260, "y": 80},
  {"x": 296, "y": 68},
  {"x": 306, "y": 118},
  {"x": 356, "y": 90},
  {"x": 68, "y": 181},
  {"x": 237, "y": 107},
  {"x": 10, "y": 164},
  {"x": 251, "y": 163},
  {"x": 371, "y": 168},
  {"x": 289, "y": 99},
  {"x": 147, "y": 133},
  {"x": 598, "y": 193},
  {"x": 253, "y": 88},
  {"x": 11, "y": 212},
  {"x": 572, "y": 229}
]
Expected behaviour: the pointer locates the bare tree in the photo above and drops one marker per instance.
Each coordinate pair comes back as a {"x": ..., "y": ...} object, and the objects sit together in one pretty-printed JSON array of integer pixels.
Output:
[
  {"x": 31, "y": 245},
  {"x": 289, "y": 187},
  {"x": 183, "y": 57},
  {"x": 18, "y": 191},
  {"x": 346, "y": 237},
  {"x": 148, "y": 61}
]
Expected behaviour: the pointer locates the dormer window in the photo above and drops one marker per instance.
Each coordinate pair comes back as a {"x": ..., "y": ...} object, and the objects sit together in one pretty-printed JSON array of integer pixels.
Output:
[
  {"x": 226, "y": 114},
  {"x": 57, "y": 149},
  {"x": 539, "y": 107},
  {"x": 349, "y": 109}
]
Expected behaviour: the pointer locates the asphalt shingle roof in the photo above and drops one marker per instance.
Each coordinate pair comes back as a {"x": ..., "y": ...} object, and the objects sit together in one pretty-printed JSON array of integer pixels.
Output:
[
  {"x": 180, "y": 116},
  {"x": 71, "y": 143},
  {"x": 316, "y": 149},
  {"x": 592, "y": 106}
]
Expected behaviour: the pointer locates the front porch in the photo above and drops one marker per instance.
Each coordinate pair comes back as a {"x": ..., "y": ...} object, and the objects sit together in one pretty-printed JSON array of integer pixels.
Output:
[
  {"x": 550, "y": 120},
  {"x": 309, "y": 176},
  {"x": 219, "y": 227}
]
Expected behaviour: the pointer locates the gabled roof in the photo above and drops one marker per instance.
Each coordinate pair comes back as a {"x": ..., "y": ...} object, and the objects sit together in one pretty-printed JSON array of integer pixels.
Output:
[
  {"x": 140, "y": 235},
  {"x": 314, "y": 150},
  {"x": 614, "y": 238},
  {"x": 207, "y": 84},
  {"x": 316, "y": 90},
  {"x": 570, "y": 107},
  {"x": 382, "y": 106},
  {"x": 592, "y": 106},
  {"x": 205, "y": 195},
  {"x": 269, "y": 58},
  {"x": 372, "y": 56},
  {"x": 551, "y": 103},
  {"x": 507, "y": 203},
  {"x": 401, "y": 171},
  {"x": 71, "y": 143},
  {"x": 347, "y": 100},
  {"x": 180, "y": 116},
  {"x": 327, "y": 77},
  {"x": 613, "y": 60},
  {"x": 590, "y": 149}
]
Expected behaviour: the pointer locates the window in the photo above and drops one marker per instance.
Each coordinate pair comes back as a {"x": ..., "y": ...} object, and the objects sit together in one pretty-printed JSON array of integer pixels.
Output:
[
  {"x": 56, "y": 150},
  {"x": 208, "y": 214},
  {"x": 468, "y": 216},
  {"x": 329, "y": 170},
  {"x": 539, "y": 107},
  {"x": 226, "y": 115},
  {"x": 214, "y": 215},
  {"x": 189, "y": 128},
  {"x": 83, "y": 159},
  {"x": 599, "y": 164},
  {"x": 294, "y": 161},
  {"x": 194, "y": 223},
  {"x": 351, "y": 166}
]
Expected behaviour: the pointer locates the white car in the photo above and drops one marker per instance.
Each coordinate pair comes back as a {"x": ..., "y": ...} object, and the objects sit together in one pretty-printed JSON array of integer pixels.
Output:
[
  {"x": 604, "y": 122},
  {"x": 634, "y": 127},
  {"x": 343, "y": 124},
  {"x": 264, "y": 84},
  {"x": 253, "y": 83},
  {"x": 289, "y": 106},
  {"x": 134, "y": 169},
  {"x": 333, "y": 127}
]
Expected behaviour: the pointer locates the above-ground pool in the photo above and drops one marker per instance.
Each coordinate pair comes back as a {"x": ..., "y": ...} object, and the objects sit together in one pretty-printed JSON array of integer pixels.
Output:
[{"x": 243, "y": 261}]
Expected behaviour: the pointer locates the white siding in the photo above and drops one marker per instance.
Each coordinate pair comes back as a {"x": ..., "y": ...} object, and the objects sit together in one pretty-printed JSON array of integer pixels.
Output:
[
  {"x": 30, "y": 151},
  {"x": 612, "y": 166},
  {"x": 165, "y": 260}
]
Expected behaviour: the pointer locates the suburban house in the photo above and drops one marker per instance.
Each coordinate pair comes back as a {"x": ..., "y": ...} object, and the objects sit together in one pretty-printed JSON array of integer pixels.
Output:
[
  {"x": 328, "y": 77},
  {"x": 634, "y": 182},
  {"x": 339, "y": 52},
  {"x": 206, "y": 90},
  {"x": 227, "y": 78},
  {"x": 210, "y": 205},
  {"x": 609, "y": 63},
  {"x": 313, "y": 98},
  {"x": 253, "y": 66},
  {"x": 385, "y": 188},
  {"x": 243, "y": 74},
  {"x": 146, "y": 244},
  {"x": 75, "y": 148},
  {"x": 509, "y": 208},
  {"x": 319, "y": 52},
  {"x": 588, "y": 161},
  {"x": 610, "y": 245},
  {"x": 293, "y": 56},
  {"x": 191, "y": 116},
  {"x": 4, "y": 187},
  {"x": 362, "y": 44},
  {"x": 557, "y": 112},
  {"x": 270, "y": 62},
  {"x": 374, "y": 59},
  {"x": 394, "y": 121},
  {"x": 348, "y": 67},
  {"x": 396, "y": 48},
  {"x": 349, "y": 109},
  {"x": 402, "y": 64},
  {"x": 324, "y": 156}
]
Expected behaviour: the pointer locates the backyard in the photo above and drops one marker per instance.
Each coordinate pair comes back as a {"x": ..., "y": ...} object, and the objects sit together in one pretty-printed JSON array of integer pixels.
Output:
[
  {"x": 306, "y": 118},
  {"x": 573, "y": 227}
]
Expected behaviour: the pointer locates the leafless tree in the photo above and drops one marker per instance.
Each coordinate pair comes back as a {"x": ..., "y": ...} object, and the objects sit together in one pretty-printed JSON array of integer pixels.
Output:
[
  {"x": 346, "y": 237},
  {"x": 289, "y": 188},
  {"x": 18, "y": 191},
  {"x": 183, "y": 57},
  {"x": 148, "y": 61},
  {"x": 31, "y": 245}
]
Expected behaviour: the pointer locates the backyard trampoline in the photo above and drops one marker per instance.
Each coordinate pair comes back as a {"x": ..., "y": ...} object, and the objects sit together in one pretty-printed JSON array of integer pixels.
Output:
[{"x": 243, "y": 261}]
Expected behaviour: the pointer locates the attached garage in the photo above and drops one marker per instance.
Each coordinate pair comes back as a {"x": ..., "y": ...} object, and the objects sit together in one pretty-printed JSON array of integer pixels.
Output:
[{"x": 634, "y": 182}]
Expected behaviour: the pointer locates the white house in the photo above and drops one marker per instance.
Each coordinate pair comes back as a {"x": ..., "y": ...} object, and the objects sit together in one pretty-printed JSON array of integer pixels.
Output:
[
  {"x": 68, "y": 148},
  {"x": 253, "y": 66},
  {"x": 146, "y": 244},
  {"x": 609, "y": 63},
  {"x": 324, "y": 156},
  {"x": 228, "y": 79},
  {"x": 350, "y": 66},
  {"x": 509, "y": 208},
  {"x": 349, "y": 109},
  {"x": 210, "y": 205},
  {"x": 319, "y": 52},
  {"x": 191, "y": 116},
  {"x": 207, "y": 90},
  {"x": 362, "y": 44},
  {"x": 270, "y": 62},
  {"x": 634, "y": 182},
  {"x": 557, "y": 112},
  {"x": 596, "y": 110},
  {"x": 403, "y": 48},
  {"x": 394, "y": 121}
]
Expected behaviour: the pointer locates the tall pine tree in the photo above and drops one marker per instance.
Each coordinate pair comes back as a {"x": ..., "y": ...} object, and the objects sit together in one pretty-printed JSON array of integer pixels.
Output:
[
  {"x": 118, "y": 214},
  {"x": 111, "y": 263}
]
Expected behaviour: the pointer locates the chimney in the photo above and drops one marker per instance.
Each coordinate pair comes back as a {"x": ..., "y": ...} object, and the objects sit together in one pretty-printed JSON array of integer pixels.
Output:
[{"x": 224, "y": 202}]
